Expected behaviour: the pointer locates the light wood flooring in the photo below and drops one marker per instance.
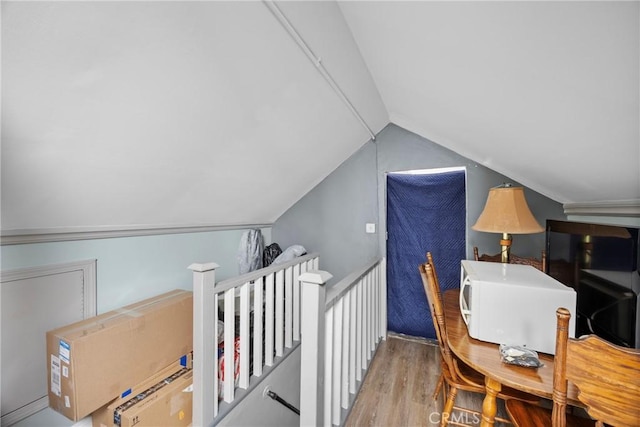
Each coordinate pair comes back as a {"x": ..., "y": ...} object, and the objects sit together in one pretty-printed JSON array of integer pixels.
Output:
[{"x": 398, "y": 389}]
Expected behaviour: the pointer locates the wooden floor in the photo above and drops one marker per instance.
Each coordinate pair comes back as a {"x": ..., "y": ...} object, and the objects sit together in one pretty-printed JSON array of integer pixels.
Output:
[{"x": 399, "y": 386}]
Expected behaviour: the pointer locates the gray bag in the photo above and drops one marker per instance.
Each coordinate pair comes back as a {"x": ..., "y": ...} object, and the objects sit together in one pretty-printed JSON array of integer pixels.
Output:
[{"x": 250, "y": 251}]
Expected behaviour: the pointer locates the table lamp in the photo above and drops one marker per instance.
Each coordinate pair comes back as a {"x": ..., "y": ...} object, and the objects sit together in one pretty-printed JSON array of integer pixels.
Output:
[{"x": 507, "y": 212}]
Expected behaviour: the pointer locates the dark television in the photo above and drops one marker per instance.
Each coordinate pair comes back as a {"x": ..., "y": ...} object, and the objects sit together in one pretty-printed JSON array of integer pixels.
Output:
[{"x": 601, "y": 263}]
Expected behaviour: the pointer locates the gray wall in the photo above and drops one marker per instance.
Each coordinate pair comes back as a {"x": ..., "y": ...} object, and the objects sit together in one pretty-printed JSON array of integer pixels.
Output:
[{"x": 331, "y": 218}]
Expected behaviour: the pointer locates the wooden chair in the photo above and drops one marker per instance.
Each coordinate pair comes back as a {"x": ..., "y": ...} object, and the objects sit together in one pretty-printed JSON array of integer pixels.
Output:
[
  {"x": 540, "y": 264},
  {"x": 455, "y": 374},
  {"x": 607, "y": 378}
]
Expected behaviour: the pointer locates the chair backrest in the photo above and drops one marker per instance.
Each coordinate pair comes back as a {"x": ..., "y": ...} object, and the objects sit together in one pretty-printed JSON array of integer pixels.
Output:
[
  {"x": 434, "y": 297},
  {"x": 607, "y": 377},
  {"x": 485, "y": 257},
  {"x": 540, "y": 264}
]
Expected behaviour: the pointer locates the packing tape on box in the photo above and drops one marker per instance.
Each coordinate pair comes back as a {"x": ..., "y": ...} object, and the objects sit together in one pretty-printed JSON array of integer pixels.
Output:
[
  {"x": 137, "y": 312},
  {"x": 128, "y": 312}
]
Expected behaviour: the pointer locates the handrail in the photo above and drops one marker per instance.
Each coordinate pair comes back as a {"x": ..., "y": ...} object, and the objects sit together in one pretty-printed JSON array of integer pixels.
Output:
[{"x": 233, "y": 282}]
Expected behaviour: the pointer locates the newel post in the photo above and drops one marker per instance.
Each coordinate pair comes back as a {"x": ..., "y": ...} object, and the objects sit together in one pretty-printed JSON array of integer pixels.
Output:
[
  {"x": 312, "y": 332},
  {"x": 204, "y": 280}
]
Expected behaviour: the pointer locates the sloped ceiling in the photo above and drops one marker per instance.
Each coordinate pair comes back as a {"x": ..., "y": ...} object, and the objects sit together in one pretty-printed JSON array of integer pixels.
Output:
[
  {"x": 170, "y": 114},
  {"x": 121, "y": 115},
  {"x": 546, "y": 93}
]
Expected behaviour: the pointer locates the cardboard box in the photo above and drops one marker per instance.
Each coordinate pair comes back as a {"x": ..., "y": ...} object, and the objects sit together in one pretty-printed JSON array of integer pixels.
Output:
[
  {"x": 103, "y": 417},
  {"x": 92, "y": 361},
  {"x": 168, "y": 403}
]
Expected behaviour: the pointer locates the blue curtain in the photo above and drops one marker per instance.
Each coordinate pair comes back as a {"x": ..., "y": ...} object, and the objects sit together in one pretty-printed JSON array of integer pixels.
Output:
[{"x": 424, "y": 213}]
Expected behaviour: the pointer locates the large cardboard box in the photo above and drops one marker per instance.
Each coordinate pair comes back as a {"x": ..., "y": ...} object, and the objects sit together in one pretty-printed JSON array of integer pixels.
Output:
[
  {"x": 104, "y": 417},
  {"x": 92, "y": 361}
]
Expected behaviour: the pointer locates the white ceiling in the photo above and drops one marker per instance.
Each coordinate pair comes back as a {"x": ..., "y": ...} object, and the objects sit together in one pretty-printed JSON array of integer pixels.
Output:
[
  {"x": 135, "y": 114},
  {"x": 546, "y": 93}
]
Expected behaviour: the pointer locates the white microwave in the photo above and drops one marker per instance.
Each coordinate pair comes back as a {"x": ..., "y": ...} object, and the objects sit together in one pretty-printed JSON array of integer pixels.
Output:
[{"x": 513, "y": 304}]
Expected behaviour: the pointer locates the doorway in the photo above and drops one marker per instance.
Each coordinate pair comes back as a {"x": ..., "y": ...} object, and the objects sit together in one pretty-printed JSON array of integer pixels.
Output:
[{"x": 426, "y": 211}]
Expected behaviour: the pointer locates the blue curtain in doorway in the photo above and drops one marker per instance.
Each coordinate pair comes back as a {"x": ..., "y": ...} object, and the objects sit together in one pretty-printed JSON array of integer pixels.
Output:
[{"x": 424, "y": 213}]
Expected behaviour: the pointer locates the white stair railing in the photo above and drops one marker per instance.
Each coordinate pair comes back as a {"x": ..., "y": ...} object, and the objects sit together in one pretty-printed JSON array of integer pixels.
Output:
[
  {"x": 271, "y": 293},
  {"x": 342, "y": 327}
]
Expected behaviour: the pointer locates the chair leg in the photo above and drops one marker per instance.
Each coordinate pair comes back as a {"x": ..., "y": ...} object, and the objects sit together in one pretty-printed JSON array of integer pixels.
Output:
[
  {"x": 438, "y": 387},
  {"x": 448, "y": 406}
]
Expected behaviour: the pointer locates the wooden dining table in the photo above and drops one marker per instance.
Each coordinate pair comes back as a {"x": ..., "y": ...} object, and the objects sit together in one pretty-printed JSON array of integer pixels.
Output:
[{"x": 485, "y": 358}]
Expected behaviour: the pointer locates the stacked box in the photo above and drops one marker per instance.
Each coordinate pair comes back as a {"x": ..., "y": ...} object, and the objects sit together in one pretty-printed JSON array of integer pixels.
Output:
[
  {"x": 104, "y": 417},
  {"x": 92, "y": 361},
  {"x": 164, "y": 400},
  {"x": 168, "y": 403}
]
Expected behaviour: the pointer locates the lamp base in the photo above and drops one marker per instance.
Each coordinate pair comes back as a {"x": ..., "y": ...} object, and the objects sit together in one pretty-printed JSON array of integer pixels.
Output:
[{"x": 505, "y": 244}]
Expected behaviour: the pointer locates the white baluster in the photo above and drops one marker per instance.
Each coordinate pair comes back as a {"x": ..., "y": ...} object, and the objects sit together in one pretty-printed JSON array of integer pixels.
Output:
[
  {"x": 353, "y": 339},
  {"x": 279, "y": 312},
  {"x": 359, "y": 329},
  {"x": 296, "y": 303},
  {"x": 258, "y": 301},
  {"x": 245, "y": 312},
  {"x": 337, "y": 361},
  {"x": 382, "y": 274},
  {"x": 288, "y": 307},
  {"x": 346, "y": 349},
  {"x": 269, "y": 321},
  {"x": 328, "y": 365},
  {"x": 229, "y": 344}
]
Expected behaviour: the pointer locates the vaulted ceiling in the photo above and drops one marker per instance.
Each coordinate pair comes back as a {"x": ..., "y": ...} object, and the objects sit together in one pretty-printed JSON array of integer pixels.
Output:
[
  {"x": 546, "y": 93},
  {"x": 152, "y": 114}
]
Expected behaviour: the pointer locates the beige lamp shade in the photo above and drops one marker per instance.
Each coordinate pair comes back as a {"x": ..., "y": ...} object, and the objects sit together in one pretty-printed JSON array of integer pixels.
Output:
[{"x": 506, "y": 211}]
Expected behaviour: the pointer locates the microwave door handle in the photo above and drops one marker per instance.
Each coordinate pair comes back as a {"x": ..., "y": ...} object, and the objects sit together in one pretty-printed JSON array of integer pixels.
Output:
[{"x": 464, "y": 308}]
